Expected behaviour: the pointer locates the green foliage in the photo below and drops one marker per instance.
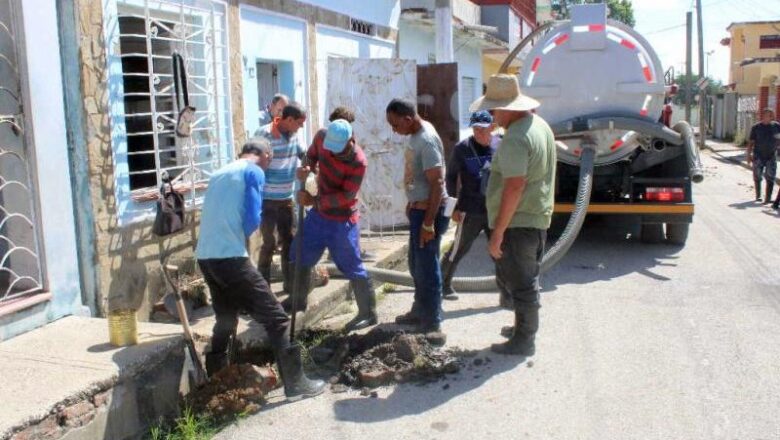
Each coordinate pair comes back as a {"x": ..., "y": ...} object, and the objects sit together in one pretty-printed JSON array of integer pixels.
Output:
[
  {"x": 620, "y": 10},
  {"x": 189, "y": 426},
  {"x": 685, "y": 88}
]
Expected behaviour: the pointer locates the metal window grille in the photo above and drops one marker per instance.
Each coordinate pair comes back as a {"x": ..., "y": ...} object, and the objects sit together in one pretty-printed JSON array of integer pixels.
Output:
[
  {"x": 20, "y": 263},
  {"x": 769, "y": 42},
  {"x": 150, "y": 31}
]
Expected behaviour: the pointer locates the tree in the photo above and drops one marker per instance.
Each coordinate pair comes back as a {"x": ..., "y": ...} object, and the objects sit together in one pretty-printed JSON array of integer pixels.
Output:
[
  {"x": 685, "y": 88},
  {"x": 620, "y": 10}
]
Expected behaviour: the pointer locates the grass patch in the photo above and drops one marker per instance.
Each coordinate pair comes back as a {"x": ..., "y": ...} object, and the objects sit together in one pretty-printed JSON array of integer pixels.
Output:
[{"x": 189, "y": 426}]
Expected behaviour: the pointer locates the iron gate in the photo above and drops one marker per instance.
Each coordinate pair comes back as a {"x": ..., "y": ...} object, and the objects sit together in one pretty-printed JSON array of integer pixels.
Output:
[{"x": 21, "y": 271}]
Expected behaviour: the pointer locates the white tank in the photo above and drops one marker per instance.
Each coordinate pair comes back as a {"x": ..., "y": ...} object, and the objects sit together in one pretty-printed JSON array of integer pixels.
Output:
[{"x": 592, "y": 66}]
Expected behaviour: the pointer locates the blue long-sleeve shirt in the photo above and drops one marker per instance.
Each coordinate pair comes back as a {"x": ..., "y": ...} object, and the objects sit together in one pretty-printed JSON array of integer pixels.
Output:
[{"x": 232, "y": 210}]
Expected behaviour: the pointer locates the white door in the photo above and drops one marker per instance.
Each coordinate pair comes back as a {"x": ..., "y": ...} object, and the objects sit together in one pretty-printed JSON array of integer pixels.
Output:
[{"x": 366, "y": 86}]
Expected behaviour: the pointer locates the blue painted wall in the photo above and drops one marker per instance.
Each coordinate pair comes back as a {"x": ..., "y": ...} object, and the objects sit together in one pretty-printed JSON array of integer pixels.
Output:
[
  {"x": 46, "y": 116},
  {"x": 384, "y": 12}
]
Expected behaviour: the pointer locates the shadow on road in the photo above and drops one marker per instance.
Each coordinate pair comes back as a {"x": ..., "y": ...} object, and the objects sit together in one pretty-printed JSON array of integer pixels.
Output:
[
  {"x": 407, "y": 400},
  {"x": 607, "y": 248}
]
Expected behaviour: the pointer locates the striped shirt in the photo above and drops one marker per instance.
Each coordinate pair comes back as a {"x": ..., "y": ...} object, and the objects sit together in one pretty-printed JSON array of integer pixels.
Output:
[
  {"x": 338, "y": 180},
  {"x": 280, "y": 175}
]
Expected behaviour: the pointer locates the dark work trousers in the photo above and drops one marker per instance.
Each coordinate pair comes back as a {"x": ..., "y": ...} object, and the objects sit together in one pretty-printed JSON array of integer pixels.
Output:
[
  {"x": 471, "y": 227},
  {"x": 424, "y": 267},
  {"x": 236, "y": 285},
  {"x": 278, "y": 215},
  {"x": 520, "y": 265}
]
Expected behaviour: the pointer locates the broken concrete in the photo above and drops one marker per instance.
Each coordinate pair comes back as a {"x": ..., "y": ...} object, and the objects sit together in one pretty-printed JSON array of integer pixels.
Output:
[{"x": 75, "y": 385}]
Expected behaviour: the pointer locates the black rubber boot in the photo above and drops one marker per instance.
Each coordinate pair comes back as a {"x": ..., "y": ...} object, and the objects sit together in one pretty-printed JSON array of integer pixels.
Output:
[
  {"x": 757, "y": 184},
  {"x": 304, "y": 288},
  {"x": 288, "y": 271},
  {"x": 366, "y": 302},
  {"x": 215, "y": 362},
  {"x": 296, "y": 384},
  {"x": 447, "y": 273},
  {"x": 522, "y": 340},
  {"x": 769, "y": 187},
  {"x": 507, "y": 331},
  {"x": 265, "y": 271}
]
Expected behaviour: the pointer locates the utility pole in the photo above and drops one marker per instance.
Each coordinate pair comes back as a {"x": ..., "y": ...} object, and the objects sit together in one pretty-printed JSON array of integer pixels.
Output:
[
  {"x": 444, "y": 49},
  {"x": 688, "y": 62},
  {"x": 701, "y": 37},
  {"x": 702, "y": 90}
]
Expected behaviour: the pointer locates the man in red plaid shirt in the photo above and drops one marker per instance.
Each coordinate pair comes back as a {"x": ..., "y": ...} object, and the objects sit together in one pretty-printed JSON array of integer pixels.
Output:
[{"x": 332, "y": 223}]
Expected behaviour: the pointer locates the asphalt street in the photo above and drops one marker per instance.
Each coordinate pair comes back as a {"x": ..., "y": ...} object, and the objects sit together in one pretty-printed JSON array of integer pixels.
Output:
[{"x": 636, "y": 342}]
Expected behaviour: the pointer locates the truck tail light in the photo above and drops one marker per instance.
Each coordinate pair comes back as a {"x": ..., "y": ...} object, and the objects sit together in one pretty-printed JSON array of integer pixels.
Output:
[{"x": 664, "y": 194}]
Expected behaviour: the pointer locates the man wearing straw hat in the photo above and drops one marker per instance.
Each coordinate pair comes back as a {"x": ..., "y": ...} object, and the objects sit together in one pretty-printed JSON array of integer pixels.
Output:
[{"x": 520, "y": 197}]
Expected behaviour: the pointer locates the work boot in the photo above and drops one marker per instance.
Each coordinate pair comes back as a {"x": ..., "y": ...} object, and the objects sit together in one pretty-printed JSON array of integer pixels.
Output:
[
  {"x": 449, "y": 293},
  {"x": 215, "y": 362},
  {"x": 769, "y": 187},
  {"x": 758, "y": 190},
  {"x": 522, "y": 340},
  {"x": 366, "y": 303},
  {"x": 304, "y": 287},
  {"x": 296, "y": 384},
  {"x": 409, "y": 318}
]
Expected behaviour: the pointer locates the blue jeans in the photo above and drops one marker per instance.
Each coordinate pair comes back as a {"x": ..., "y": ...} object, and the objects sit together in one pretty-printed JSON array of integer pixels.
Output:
[
  {"x": 424, "y": 267},
  {"x": 341, "y": 238}
]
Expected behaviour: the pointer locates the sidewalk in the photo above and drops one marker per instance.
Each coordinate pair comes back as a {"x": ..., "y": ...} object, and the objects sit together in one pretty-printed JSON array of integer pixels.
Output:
[
  {"x": 66, "y": 381},
  {"x": 729, "y": 152}
]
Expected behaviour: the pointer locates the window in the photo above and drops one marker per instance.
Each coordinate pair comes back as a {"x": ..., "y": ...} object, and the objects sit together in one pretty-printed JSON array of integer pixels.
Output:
[
  {"x": 149, "y": 32},
  {"x": 769, "y": 42},
  {"x": 467, "y": 96},
  {"x": 21, "y": 270}
]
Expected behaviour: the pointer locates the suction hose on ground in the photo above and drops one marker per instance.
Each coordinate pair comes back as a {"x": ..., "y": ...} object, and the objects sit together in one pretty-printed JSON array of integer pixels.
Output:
[{"x": 551, "y": 257}]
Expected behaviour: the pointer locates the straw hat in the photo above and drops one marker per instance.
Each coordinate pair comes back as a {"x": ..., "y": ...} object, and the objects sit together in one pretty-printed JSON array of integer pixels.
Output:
[{"x": 503, "y": 93}]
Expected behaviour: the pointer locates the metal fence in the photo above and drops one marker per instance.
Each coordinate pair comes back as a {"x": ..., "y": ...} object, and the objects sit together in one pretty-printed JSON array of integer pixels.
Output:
[
  {"x": 747, "y": 106},
  {"x": 21, "y": 270},
  {"x": 149, "y": 32}
]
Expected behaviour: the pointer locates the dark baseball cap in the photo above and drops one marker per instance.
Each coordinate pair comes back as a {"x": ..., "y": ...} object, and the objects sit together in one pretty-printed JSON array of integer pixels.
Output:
[{"x": 481, "y": 119}]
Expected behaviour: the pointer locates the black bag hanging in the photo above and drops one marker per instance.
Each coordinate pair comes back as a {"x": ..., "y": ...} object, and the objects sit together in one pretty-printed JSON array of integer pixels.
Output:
[
  {"x": 170, "y": 210},
  {"x": 186, "y": 111}
]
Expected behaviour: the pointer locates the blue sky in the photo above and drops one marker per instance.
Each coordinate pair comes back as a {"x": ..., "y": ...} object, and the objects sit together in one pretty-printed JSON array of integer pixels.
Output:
[{"x": 662, "y": 22}]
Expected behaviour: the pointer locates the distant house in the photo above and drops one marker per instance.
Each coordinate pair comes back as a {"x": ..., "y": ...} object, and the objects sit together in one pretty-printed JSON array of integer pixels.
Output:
[
  {"x": 417, "y": 41},
  {"x": 755, "y": 61},
  {"x": 515, "y": 20}
]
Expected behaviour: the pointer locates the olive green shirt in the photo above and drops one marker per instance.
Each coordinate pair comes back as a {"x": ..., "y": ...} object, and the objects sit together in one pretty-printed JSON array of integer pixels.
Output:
[{"x": 528, "y": 150}]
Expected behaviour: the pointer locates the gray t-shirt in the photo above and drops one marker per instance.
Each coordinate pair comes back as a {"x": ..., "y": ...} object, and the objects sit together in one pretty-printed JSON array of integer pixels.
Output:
[{"x": 425, "y": 151}]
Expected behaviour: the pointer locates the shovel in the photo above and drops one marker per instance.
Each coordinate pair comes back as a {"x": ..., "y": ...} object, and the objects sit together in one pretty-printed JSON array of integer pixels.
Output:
[
  {"x": 200, "y": 376},
  {"x": 298, "y": 254}
]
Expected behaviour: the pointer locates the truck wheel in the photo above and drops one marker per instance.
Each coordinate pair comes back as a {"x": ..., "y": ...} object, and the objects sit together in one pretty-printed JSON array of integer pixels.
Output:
[
  {"x": 652, "y": 233},
  {"x": 677, "y": 233}
]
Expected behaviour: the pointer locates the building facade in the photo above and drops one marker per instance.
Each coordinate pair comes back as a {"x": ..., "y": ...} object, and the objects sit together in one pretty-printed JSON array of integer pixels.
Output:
[
  {"x": 755, "y": 61},
  {"x": 79, "y": 199},
  {"x": 39, "y": 276}
]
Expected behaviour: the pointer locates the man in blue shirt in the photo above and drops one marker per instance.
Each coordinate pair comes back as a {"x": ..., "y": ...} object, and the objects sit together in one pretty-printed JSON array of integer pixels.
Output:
[{"x": 232, "y": 210}]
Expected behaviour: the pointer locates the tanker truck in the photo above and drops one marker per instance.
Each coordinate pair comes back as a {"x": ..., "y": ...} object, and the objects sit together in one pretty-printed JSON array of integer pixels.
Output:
[{"x": 602, "y": 91}]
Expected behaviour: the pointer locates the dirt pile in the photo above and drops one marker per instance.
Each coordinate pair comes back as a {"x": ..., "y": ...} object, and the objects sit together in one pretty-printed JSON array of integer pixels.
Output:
[
  {"x": 378, "y": 358},
  {"x": 237, "y": 389}
]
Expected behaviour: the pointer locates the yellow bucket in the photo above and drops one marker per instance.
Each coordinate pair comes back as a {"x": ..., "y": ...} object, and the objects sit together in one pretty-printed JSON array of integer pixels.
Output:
[{"x": 122, "y": 329}]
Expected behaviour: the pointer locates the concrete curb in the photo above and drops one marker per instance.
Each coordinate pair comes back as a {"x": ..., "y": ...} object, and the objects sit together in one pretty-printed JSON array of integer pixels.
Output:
[{"x": 739, "y": 162}]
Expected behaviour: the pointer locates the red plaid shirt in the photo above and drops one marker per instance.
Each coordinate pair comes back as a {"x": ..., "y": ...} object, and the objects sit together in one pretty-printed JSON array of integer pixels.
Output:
[{"x": 338, "y": 180}]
